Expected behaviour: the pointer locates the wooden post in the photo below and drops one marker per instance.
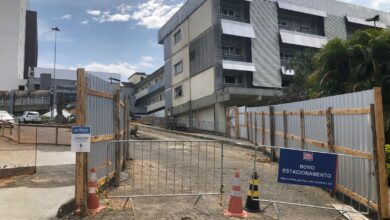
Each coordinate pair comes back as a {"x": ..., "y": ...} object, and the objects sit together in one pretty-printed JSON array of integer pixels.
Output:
[
  {"x": 330, "y": 130},
  {"x": 227, "y": 127},
  {"x": 255, "y": 136},
  {"x": 2, "y": 128},
  {"x": 272, "y": 131},
  {"x": 126, "y": 126},
  {"x": 10, "y": 131},
  {"x": 379, "y": 155},
  {"x": 56, "y": 143},
  {"x": 18, "y": 133},
  {"x": 285, "y": 128},
  {"x": 81, "y": 191},
  {"x": 302, "y": 125},
  {"x": 262, "y": 128},
  {"x": 117, "y": 137},
  {"x": 237, "y": 121}
]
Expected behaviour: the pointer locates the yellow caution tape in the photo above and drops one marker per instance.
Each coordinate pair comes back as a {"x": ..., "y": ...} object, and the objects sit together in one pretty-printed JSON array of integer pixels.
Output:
[
  {"x": 254, "y": 193},
  {"x": 254, "y": 182}
]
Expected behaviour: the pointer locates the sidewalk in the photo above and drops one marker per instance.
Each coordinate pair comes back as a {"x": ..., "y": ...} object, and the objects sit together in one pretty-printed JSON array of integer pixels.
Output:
[{"x": 40, "y": 195}]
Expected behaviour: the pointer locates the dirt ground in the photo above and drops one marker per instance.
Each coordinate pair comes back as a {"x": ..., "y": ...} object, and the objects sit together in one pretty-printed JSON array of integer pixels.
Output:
[{"x": 175, "y": 171}]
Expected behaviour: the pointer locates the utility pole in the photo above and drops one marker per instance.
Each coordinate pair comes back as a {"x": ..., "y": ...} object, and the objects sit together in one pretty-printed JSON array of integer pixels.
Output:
[{"x": 55, "y": 29}]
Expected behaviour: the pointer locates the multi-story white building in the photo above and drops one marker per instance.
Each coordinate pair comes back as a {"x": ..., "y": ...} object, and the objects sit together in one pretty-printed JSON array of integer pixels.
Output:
[
  {"x": 221, "y": 53},
  {"x": 13, "y": 20}
]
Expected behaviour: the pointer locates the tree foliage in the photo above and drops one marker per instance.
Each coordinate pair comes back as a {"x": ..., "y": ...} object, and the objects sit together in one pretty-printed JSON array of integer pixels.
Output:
[{"x": 343, "y": 66}]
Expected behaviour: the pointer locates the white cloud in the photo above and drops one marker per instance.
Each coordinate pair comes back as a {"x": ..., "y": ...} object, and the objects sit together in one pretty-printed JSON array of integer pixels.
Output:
[
  {"x": 377, "y": 3},
  {"x": 84, "y": 22},
  {"x": 66, "y": 17},
  {"x": 154, "y": 13},
  {"x": 123, "y": 68},
  {"x": 147, "y": 58},
  {"x": 123, "y": 8},
  {"x": 94, "y": 12},
  {"x": 106, "y": 16}
]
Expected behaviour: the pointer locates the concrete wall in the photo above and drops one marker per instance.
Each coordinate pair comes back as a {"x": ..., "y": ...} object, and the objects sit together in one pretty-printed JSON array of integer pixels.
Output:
[
  {"x": 183, "y": 55},
  {"x": 186, "y": 94},
  {"x": 200, "y": 20},
  {"x": 184, "y": 37},
  {"x": 12, "y": 43},
  {"x": 198, "y": 90}
]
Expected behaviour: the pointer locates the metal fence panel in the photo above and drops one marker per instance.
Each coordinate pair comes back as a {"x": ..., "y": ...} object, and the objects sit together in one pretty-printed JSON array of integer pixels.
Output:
[
  {"x": 100, "y": 116},
  {"x": 351, "y": 131}
]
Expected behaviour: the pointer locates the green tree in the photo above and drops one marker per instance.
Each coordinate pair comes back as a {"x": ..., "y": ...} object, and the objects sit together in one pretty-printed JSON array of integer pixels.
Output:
[{"x": 359, "y": 63}]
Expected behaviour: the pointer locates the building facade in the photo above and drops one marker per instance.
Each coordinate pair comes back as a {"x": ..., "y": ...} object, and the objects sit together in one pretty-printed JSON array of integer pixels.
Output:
[
  {"x": 18, "y": 43},
  {"x": 221, "y": 53},
  {"x": 149, "y": 95}
]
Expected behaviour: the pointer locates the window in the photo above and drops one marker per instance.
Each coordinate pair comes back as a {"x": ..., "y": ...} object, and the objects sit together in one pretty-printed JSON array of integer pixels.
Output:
[
  {"x": 178, "y": 91},
  {"x": 178, "y": 67},
  {"x": 230, "y": 12},
  {"x": 233, "y": 79},
  {"x": 231, "y": 51},
  {"x": 177, "y": 37}
]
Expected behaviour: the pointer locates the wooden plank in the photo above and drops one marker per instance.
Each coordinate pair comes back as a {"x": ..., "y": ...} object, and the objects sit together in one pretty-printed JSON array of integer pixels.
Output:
[
  {"x": 102, "y": 138},
  {"x": 330, "y": 130},
  {"x": 100, "y": 94},
  {"x": 126, "y": 150},
  {"x": 19, "y": 133},
  {"x": 247, "y": 124},
  {"x": 380, "y": 155},
  {"x": 117, "y": 137},
  {"x": 356, "y": 197},
  {"x": 343, "y": 111},
  {"x": 81, "y": 190},
  {"x": 255, "y": 136},
  {"x": 237, "y": 122},
  {"x": 316, "y": 143},
  {"x": 303, "y": 127},
  {"x": 272, "y": 132},
  {"x": 285, "y": 128},
  {"x": 56, "y": 141},
  {"x": 262, "y": 128}
]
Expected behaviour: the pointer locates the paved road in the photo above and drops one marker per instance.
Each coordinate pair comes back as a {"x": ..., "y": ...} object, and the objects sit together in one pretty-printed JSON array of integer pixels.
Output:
[{"x": 39, "y": 196}]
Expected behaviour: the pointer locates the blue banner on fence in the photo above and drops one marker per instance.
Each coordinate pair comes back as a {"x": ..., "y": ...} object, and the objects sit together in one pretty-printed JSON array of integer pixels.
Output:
[{"x": 307, "y": 168}]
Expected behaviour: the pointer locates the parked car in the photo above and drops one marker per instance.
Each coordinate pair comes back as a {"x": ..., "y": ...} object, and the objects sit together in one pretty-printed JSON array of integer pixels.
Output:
[
  {"x": 6, "y": 117},
  {"x": 28, "y": 116}
]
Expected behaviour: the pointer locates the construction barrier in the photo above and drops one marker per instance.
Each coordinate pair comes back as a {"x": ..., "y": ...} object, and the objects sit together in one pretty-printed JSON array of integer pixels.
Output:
[{"x": 169, "y": 169}]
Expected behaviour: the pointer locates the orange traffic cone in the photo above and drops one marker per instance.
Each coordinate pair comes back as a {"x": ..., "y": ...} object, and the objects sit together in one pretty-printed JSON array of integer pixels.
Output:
[
  {"x": 235, "y": 203},
  {"x": 93, "y": 199}
]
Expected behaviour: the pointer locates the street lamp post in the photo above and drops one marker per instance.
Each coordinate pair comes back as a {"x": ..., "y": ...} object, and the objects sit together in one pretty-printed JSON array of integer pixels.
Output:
[
  {"x": 55, "y": 29},
  {"x": 374, "y": 19}
]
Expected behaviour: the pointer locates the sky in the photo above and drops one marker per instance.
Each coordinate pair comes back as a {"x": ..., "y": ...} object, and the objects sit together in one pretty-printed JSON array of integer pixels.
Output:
[{"x": 118, "y": 36}]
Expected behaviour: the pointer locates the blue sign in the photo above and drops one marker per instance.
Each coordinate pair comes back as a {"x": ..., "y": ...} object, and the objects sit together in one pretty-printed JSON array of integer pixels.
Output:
[
  {"x": 81, "y": 139},
  {"x": 81, "y": 130},
  {"x": 307, "y": 168}
]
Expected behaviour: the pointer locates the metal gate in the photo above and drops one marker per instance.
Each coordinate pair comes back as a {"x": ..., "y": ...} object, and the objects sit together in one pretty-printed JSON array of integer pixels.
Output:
[{"x": 169, "y": 169}]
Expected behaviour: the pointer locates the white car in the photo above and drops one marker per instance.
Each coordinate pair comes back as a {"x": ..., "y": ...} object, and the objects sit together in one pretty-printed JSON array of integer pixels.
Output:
[
  {"x": 6, "y": 117},
  {"x": 30, "y": 117}
]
